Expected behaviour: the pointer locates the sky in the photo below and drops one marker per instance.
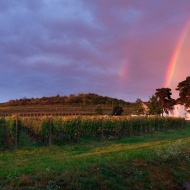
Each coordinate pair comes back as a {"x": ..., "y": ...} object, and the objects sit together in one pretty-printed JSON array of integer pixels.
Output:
[{"x": 123, "y": 49}]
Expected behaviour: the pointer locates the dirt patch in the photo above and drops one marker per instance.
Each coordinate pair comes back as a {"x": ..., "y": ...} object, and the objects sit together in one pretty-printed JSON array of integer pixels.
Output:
[
  {"x": 138, "y": 162},
  {"x": 161, "y": 174},
  {"x": 25, "y": 180}
]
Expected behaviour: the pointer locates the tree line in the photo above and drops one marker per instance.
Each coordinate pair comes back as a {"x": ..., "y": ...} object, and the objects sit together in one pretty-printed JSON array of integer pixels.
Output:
[
  {"x": 159, "y": 103},
  {"x": 72, "y": 99},
  {"x": 162, "y": 102}
]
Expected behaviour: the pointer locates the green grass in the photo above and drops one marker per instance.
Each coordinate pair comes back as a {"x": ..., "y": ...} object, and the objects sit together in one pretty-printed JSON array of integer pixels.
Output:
[{"x": 154, "y": 161}]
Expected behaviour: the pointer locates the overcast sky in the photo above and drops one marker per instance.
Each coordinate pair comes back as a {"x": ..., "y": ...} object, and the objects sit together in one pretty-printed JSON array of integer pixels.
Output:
[{"x": 116, "y": 48}]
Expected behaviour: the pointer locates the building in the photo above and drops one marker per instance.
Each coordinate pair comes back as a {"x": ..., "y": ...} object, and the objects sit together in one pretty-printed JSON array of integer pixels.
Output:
[{"x": 179, "y": 111}]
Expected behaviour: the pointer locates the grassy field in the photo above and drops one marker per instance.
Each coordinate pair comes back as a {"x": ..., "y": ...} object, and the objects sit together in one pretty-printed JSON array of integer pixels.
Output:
[{"x": 155, "y": 161}]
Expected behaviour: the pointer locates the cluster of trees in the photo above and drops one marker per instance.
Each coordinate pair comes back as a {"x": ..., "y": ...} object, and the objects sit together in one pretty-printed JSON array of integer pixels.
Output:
[
  {"x": 184, "y": 92},
  {"x": 72, "y": 99},
  {"x": 162, "y": 102}
]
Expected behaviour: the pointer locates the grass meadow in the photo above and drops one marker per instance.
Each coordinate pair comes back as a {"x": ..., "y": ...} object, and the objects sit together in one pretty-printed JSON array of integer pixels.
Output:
[{"x": 152, "y": 161}]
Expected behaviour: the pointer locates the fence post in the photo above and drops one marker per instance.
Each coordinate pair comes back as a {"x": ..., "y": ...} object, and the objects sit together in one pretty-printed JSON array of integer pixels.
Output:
[
  {"x": 183, "y": 123},
  {"x": 131, "y": 127},
  {"x": 102, "y": 129},
  {"x": 50, "y": 132},
  {"x": 158, "y": 127},
  {"x": 78, "y": 131},
  {"x": 150, "y": 126},
  {"x": 141, "y": 124},
  {"x": 119, "y": 129},
  {"x": 16, "y": 135}
]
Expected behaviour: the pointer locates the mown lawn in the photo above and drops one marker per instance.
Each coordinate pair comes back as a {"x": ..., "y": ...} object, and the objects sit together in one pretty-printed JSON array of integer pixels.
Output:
[{"x": 155, "y": 161}]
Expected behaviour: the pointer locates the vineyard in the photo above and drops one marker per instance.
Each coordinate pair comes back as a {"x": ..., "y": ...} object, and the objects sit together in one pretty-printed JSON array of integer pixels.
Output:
[
  {"x": 71, "y": 129},
  {"x": 58, "y": 110},
  {"x": 94, "y": 152}
]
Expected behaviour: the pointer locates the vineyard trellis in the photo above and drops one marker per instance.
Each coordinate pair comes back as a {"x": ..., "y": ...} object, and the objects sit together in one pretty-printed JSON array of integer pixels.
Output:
[
  {"x": 64, "y": 129},
  {"x": 2, "y": 133}
]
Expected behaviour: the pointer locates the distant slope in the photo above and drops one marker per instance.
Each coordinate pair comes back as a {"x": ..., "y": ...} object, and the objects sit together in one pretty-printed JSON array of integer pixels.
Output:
[
  {"x": 81, "y": 104},
  {"x": 72, "y": 99}
]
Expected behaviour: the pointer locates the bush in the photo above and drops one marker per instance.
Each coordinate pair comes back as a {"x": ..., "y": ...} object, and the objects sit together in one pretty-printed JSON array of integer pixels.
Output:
[
  {"x": 98, "y": 110},
  {"x": 117, "y": 110}
]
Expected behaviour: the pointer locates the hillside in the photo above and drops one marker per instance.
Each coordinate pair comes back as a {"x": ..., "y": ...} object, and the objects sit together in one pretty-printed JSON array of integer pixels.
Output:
[
  {"x": 84, "y": 104},
  {"x": 72, "y": 99}
]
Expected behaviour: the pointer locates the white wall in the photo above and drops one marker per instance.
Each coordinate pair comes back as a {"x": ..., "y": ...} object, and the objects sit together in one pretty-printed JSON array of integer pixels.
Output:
[{"x": 179, "y": 111}]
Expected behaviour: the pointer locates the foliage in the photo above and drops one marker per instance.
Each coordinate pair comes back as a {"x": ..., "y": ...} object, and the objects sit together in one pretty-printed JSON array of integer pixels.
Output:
[
  {"x": 164, "y": 97},
  {"x": 72, "y": 128},
  {"x": 138, "y": 107},
  {"x": 80, "y": 99},
  {"x": 2, "y": 120},
  {"x": 184, "y": 92},
  {"x": 154, "y": 107},
  {"x": 11, "y": 122},
  {"x": 117, "y": 110},
  {"x": 98, "y": 110}
]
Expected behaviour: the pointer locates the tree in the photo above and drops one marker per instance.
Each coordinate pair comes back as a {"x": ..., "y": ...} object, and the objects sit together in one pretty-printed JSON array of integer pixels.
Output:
[
  {"x": 154, "y": 107},
  {"x": 184, "y": 92},
  {"x": 164, "y": 97},
  {"x": 98, "y": 110},
  {"x": 138, "y": 107},
  {"x": 117, "y": 110}
]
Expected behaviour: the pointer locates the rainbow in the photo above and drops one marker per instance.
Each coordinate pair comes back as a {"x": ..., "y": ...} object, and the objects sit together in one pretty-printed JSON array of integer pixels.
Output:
[
  {"x": 176, "y": 54},
  {"x": 123, "y": 70}
]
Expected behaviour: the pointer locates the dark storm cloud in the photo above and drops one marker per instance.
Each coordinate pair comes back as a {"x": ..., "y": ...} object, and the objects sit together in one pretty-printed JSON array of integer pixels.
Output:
[{"x": 118, "y": 48}]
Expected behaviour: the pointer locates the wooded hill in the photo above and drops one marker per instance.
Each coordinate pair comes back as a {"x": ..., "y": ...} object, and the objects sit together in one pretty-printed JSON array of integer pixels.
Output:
[{"x": 72, "y": 99}]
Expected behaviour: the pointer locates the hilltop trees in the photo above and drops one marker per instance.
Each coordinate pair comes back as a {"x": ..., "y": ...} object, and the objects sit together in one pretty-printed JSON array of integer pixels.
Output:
[
  {"x": 72, "y": 99},
  {"x": 184, "y": 92}
]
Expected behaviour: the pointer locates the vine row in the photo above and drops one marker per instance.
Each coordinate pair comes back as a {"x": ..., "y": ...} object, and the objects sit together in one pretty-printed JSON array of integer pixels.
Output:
[{"x": 59, "y": 130}]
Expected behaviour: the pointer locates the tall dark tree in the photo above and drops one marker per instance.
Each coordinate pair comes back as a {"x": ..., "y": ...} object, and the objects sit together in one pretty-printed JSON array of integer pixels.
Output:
[
  {"x": 154, "y": 107},
  {"x": 184, "y": 92},
  {"x": 164, "y": 97}
]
